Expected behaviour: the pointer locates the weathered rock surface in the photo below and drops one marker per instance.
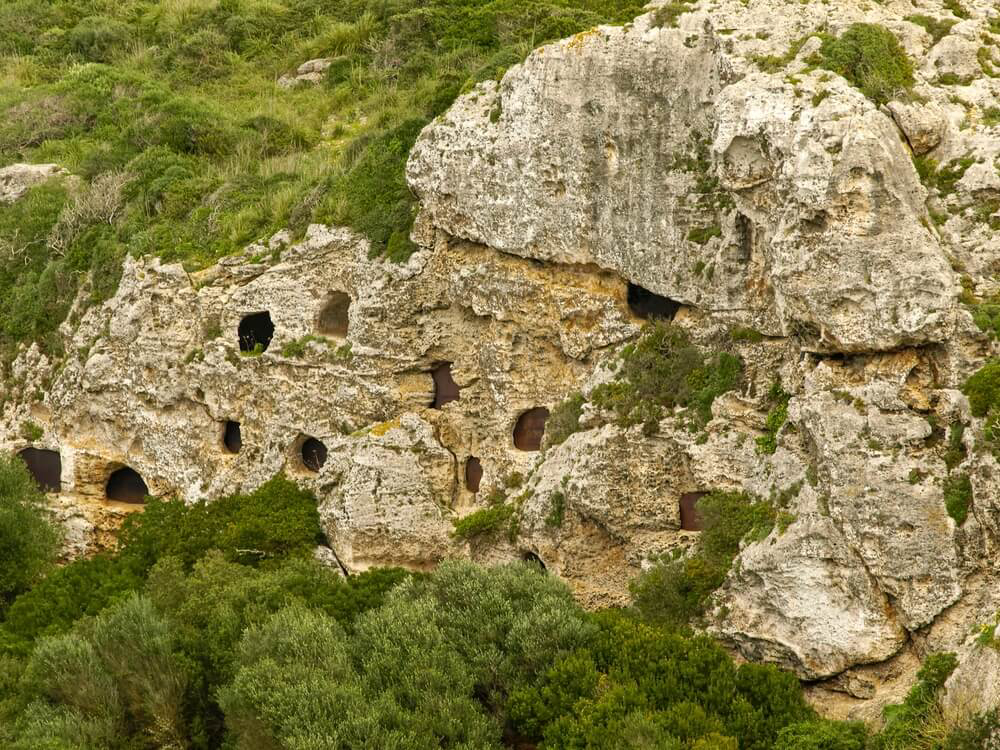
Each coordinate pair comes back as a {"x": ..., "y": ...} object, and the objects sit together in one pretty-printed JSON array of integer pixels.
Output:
[
  {"x": 710, "y": 163},
  {"x": 16, "y": 179}
]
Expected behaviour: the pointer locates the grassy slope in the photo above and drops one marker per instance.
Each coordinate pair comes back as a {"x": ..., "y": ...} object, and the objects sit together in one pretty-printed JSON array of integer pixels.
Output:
[{"x": 169, "y": 111}]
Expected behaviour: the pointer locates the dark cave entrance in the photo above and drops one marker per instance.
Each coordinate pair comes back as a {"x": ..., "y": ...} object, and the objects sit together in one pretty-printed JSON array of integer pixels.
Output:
[
  {"x": 473, "y": 474},
  {"x": 45, "y": 466},
  {"x": 744, "y": 233},
  {"x": 446, "y": 389},
  {"x": 532, "y": 559},
  {"x": 530, "y": 429},
  {"x": 313, "y": 454},
  {"x": 334, "y": 316},
  {"x": 232, "y": 437},
  {"x": 690, "y": 517},
  {"x": 126, "y": 486},
  {"x": 256, "y": 331},
  {"x": 648, "y": 305}
]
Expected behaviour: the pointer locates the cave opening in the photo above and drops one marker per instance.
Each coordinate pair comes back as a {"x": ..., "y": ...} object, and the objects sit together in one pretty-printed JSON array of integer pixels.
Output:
[
  {"x": 126, "y": 486},
  {"x": 446, "y": 389},
  {"x": 334, "y": 316},
  {"x": 744, "y": 233},
  {"x": 473, "y": 474},
  {"x": 232, "y": 437},
  {"x": 649, "y": 305},
  {"x": 256, "y": 331},
  {"x": 45, "y": 467},
  {"x": 530, "y": 429},
  {"x": 313, "y": 454},
  {"x": 690, "y": 517},
  {"x": 533, "y": 559}
]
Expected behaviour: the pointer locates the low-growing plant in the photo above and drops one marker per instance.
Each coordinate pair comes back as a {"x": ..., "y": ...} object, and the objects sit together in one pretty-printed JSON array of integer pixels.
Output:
[
  {"x": 958, "y": 496},
  {"x": 662, "y": 371},
  {"x": 28, "y": 539},
  {"x": 564, "y": 419},
  {"x": 871, "y": 58},
  {"x": 676, "y": 591}
]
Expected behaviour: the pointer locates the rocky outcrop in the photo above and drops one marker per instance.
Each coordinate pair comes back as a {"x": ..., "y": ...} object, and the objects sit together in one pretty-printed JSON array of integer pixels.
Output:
[
  {"x": 17, "y": 179},
  {"x": 709, "y": 162}
]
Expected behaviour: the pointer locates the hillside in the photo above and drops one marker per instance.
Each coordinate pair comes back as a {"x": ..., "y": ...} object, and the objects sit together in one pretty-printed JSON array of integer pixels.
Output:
[{"x": 695, "y": 310}]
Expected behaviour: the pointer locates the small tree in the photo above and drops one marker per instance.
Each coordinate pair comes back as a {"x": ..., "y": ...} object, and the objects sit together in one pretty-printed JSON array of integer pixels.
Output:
[{"x": 28, "y": 539}]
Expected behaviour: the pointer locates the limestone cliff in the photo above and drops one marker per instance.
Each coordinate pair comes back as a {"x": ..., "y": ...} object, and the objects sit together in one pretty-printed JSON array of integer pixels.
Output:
[{"x": 700, "y": 156}]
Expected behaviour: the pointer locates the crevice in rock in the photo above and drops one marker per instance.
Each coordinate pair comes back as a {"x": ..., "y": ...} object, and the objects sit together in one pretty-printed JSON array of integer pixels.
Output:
[{"x": 532, "y": 558}]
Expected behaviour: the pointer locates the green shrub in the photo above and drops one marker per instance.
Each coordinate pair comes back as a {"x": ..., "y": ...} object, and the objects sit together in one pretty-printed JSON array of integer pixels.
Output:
[
  {"x": 676, "y": 591},
  {"x": 938, "y": 28},
  {"x": 983, "y": 390},
  {"x": 664, "y": 370},
  {"x": 82, "y": 588},
  {"x": 98, "y": 38},
  {"x": 663, "y": 688},
  {"x": 564, "y": 419},
  {"x": 116, "y": 676},
  {"x": 871, "y": 58},
  {"x": 904, "y": 722},
  {"x": 28, "y": 539},
  {"x": 486, "y": 521},
  {"x": 276, "y": 520},
  {"x": 823, "y": 735},
  {"x": 958, "y": 496},
  {"x": 776, "y": 418}
]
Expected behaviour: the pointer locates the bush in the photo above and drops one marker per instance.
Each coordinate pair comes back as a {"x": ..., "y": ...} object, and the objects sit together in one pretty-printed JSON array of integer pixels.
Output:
[
  {"x": 564, "y": 419},
  {"x": 675, "y": 591},
  {"x": 276, "y": 520},
  {"x": 822, "y": 735},
  {"x": 28, "y": 540},
  {"x": 871, "y": 58},
  {"x": 658, "y": 687},
  {"x": 983, "y": 390},
  {"x": 905, "y": 722},
  {"x": 958, "y": 496},
  {"x": 664, "y": 370}
]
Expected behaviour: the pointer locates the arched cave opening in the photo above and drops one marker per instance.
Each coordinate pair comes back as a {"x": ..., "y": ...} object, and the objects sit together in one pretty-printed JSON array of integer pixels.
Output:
[
  {"x": 256, "y": 330},
  {"x": 45, "y": 466},
  {"x": 446, "y": 389},
  {"x": 232, "y": 437},
  {"x": 530, "y": 429},
  {"x": 648, "y": 305},
  {"x": 532, "y": 559},
  {"x": 313, "y": 454},
  {"x": 126, "y": 486},
  {"x": 690, "y": 517},
  {"x": 473, "y": 474},
  {"x": 334, "y": 316}
]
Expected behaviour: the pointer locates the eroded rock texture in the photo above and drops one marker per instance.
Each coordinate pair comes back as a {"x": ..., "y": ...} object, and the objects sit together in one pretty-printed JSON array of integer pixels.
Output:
[{"x": 774, "y": 196}]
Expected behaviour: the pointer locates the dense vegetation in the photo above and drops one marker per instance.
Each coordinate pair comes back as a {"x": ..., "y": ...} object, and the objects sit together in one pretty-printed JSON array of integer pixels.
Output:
[
  {"x": 169, "y": 113},
  {"x": 214, "y": 627},
  {"x": 663, "y": 372}
]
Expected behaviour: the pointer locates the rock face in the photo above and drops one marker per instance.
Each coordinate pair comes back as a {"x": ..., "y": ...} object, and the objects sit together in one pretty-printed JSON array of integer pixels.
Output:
[
  {"x": 810, "y": 216},
  {"x": 16, "y": 179},
  {"x": 711, "y": 163}
]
